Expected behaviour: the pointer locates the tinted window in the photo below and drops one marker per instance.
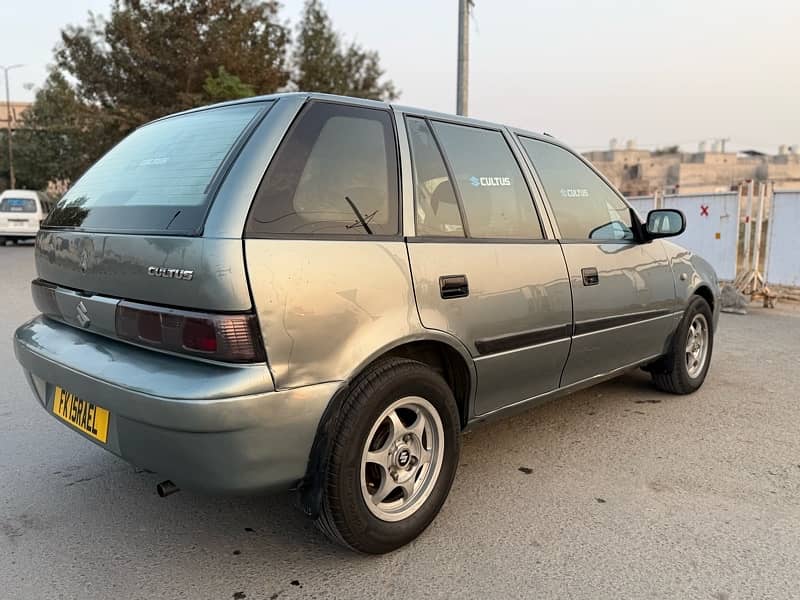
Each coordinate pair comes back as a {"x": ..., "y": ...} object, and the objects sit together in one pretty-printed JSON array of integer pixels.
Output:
[
  {"x": 335, "y": 173},
  {"x": 160, "y": 177},
  {"x": 585, "y": 207},
  {"x": 27, "y": 205},
  {"x": 495, "y": 197},
  {"x": 436, "y": 207}
]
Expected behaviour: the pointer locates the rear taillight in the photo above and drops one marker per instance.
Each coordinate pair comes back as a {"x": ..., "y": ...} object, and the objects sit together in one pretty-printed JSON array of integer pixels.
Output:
[{"x": 229, "y": 338}]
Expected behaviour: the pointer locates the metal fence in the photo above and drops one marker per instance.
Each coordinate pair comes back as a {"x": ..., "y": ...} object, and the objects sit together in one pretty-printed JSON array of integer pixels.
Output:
[
  {"x": 712, "y": 226},
  {"x": 642, "y": 205},
  {"x": 783, "y": 246},
  {"x": 714, "y": 223}
]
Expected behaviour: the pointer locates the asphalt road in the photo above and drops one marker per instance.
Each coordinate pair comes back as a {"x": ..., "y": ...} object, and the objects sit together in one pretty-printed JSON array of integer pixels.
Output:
[{"x": 615, "y": 492}]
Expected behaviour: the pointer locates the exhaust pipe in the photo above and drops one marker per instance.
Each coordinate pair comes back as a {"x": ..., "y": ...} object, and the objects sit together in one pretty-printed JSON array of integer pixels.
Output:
[{"x": 165, "y": 488}]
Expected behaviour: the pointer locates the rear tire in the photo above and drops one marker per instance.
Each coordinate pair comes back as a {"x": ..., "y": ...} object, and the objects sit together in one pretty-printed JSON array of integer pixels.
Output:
[
  {"x": 683, "y": 370},
  {"x": 394, "y": 455}
]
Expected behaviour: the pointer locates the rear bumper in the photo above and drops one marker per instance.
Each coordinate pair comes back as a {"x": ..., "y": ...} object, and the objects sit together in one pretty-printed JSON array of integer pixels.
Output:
[{"x": 208, "y": 427}]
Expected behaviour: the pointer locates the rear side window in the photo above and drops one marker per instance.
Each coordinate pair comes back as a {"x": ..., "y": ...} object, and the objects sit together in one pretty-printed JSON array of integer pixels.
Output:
[
  {"x": 334, "y": 174},
  {"x": 19, "y": 205},
  {"x": 495, "y": 197},
  {"x": 585, "y": 207},
  {"x": 161, "y": 177},
  {"x": 436, "y": 206}
]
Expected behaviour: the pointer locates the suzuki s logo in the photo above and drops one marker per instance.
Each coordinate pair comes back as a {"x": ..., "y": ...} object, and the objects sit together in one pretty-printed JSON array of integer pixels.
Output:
[
  {"x": 84, "y": 262},
  {"x": 183, "y": 274},
  {"x": 403, "y": 457},
  {"x": 82, "y": 314}
]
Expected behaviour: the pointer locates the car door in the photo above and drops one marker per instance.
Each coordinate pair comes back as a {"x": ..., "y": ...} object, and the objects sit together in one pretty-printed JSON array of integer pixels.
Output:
[
  {"x": 623, "y": 291},
  {"x": 481, "y": 266}
]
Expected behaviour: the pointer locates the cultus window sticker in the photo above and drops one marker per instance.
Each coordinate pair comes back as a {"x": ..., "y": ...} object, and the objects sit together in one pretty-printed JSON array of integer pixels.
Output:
[
  {"x": 574, "y": 193},
  {"x": 489, "y": 181}
]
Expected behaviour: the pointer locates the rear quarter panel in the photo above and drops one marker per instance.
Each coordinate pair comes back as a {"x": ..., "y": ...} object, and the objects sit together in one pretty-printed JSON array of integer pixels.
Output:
[{"x": 326, "y": 307}]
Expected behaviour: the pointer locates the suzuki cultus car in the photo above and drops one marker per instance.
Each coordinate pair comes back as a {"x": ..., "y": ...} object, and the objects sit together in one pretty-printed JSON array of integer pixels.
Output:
[{"x": 320, "y": 293}]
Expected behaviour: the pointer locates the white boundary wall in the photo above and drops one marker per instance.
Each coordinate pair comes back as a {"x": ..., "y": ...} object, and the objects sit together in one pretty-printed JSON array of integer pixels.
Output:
[
  {"x": 642, "y": 205},
  {"x": 783, "y": 244},
  {"x": 712, "y": 228}
]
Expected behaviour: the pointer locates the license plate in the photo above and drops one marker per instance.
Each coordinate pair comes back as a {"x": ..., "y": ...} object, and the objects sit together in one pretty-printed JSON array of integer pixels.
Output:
[{"x": 81, "y": 414}]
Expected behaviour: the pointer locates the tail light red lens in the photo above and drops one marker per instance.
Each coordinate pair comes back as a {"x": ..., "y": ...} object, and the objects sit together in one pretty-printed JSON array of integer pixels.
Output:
[
  {"x": 229, "y": 338},
  {"x": 200, "y": 335}
]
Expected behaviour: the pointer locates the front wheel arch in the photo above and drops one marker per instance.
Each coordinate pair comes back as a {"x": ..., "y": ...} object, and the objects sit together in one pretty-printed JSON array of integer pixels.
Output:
[{"x": 706, "y": 294}]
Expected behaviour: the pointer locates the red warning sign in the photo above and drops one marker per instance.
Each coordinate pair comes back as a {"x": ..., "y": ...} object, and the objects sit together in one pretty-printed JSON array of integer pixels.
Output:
[{"x": 703, "y": 210}]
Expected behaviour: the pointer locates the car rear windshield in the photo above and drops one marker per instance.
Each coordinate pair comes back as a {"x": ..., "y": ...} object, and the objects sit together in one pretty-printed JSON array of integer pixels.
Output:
[
  {"x": 25, "y": 205},
  {"x": 161, "y": 178}
]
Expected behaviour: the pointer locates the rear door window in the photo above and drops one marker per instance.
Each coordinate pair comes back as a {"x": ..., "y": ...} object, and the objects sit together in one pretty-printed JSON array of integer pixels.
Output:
[
  {"x": 436, "y": 205},
  {"x": 585, "y": 207},
  {"x": 334, "y": 174},
  {"x": 161, "y": 178},
  {"x": 496, "y": 200},
  {"x": 18, "y": 205}
]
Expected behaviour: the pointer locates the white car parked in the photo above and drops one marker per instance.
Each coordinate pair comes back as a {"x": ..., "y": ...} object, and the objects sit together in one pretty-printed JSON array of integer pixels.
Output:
[{"x": 21, "y": 212}]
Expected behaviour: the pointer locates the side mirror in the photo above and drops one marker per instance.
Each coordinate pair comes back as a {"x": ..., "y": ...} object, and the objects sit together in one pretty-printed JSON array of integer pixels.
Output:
[{"x": 665, "y": 222}]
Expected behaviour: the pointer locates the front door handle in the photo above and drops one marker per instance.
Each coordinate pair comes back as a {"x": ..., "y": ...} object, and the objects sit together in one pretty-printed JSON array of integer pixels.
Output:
[
  {"x": 590, "y": 276},
  {"x": 453, "y": 286}
]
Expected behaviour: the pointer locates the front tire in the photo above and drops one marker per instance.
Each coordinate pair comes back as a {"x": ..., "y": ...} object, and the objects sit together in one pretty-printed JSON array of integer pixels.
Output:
[
  {"x": 393, "y": 457},
  {"x": 684, "y": 369}
]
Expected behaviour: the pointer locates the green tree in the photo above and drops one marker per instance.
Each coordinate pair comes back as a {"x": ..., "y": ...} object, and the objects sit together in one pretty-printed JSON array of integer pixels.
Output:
[
  {"x": 153, "y": 57},
  {"x": 60, "y": 136},
  {"x": 322, "y": 63},
  {"x": 149, "y": 58},
  {"x": 225, "y": 86}
]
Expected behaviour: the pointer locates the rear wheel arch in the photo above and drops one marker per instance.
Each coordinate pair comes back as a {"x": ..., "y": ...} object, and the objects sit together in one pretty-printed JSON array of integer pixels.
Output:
[
  {"x": 441, "y": 356},
  {"x": 445, "y": 360}
]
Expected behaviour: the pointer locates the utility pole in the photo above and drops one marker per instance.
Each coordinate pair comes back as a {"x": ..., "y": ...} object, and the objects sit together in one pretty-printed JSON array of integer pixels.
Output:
[
  {"x": 12, "y": 179},
  {"x": 722, "y": 143},
  {"x": 462, "y": 84}
]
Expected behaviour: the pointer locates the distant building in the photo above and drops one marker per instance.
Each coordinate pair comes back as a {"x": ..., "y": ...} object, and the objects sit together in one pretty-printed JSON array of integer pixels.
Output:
[
  {"x": 17, "y": 113},
  {"x": 641, "y": 172}
]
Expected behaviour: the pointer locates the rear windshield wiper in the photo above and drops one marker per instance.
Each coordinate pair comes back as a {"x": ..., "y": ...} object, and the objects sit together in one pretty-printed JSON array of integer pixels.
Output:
[{"x": 359, "y": 216}]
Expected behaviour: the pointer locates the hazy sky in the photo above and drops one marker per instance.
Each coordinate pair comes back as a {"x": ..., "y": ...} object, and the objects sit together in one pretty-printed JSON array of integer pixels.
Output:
[{"x": 661, "y": 72}]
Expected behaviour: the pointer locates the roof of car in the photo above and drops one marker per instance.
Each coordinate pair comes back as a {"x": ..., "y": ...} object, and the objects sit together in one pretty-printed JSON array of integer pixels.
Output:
[
  {"x": 357, "y": 101},
  {"x": 412, "y": 110}
]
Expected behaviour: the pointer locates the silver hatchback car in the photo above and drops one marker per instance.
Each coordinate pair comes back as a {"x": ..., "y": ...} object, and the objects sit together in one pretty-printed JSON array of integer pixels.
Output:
[{"x": 320, "y": 293}]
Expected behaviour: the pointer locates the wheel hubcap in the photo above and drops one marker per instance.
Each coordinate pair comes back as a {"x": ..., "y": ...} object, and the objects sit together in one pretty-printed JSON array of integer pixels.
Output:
[
  {"x": 402, "y": 458},
  {"x": 696, "y": 346}
]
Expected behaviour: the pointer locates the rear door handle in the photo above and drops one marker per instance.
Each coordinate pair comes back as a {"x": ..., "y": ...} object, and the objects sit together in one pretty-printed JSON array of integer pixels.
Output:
[
  {"x": 590, "y": 276},
  {"x": 453, "y": 286}
]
